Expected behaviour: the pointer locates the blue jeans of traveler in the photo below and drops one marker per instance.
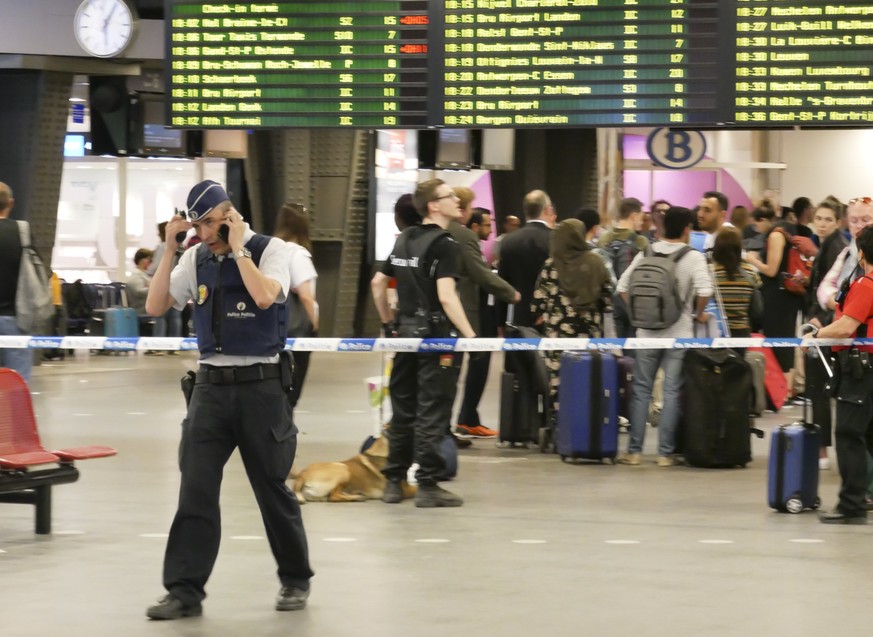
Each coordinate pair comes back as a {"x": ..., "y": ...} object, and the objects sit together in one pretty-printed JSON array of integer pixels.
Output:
[
  {"x": 170, "y": 324},
  {"x": 21, "y": 360},
  {"x": 645, "y": 368}
]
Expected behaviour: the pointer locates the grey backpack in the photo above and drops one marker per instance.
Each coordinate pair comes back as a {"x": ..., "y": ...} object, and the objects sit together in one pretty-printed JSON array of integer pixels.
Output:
[{"x": 654, "y": 301}]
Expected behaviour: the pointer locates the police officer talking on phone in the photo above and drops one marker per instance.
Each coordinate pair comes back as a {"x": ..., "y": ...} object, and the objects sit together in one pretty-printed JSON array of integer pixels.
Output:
[
  {"x": 237, "y": 398},
  {"x": 425, "y": 261},
  {"x": 854, "y": 387}
]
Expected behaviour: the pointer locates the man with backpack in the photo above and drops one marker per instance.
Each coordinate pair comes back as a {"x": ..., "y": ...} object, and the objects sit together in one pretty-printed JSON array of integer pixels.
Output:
[
  {"x": 621, "y": 244},
  {"x": 425, "y": 262},
  {"x": 666, "y": 289}
]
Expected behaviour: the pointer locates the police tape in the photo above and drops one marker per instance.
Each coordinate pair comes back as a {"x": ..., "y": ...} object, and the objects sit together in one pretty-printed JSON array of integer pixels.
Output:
[{"x": 430, "y": 345}]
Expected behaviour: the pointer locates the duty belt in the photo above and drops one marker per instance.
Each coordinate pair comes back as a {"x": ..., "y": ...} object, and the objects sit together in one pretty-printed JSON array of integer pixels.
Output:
[{"x": 233, "y": 375}]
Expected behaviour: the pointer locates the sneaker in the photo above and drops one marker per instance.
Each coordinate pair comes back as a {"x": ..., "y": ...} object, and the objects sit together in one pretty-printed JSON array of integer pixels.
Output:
[
  {"x": 628, "y": 458},
  {"x": 667, "y": 461},
  {"x": 292, "y": 598},
  {"x": 837, "y": 517},
  {"x": 462, "y": 443},
  {"x": 868, "y": 503},
  {"x": 430, "y": 496},
  {"x": 393, "y": 493},
  {"x": 171, "y": 607},
  {"x": 824, "y": 464},
  {"x": 475, "y": 432}
]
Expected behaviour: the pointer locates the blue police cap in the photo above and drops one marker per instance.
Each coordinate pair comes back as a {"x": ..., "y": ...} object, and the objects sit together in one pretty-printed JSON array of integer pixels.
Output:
[{"x": 204, "y": 197}]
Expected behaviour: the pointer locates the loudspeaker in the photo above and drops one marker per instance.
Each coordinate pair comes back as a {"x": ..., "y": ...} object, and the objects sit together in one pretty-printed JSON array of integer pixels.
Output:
[{"x": 111, "y": 122}]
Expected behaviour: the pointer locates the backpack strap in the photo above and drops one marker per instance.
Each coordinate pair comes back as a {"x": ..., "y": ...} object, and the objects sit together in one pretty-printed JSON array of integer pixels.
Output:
[{"x": 23, "y": 233}]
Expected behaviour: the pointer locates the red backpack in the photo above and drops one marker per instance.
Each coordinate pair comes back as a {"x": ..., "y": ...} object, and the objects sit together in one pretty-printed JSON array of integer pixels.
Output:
[{"x": 801, "y": 254}]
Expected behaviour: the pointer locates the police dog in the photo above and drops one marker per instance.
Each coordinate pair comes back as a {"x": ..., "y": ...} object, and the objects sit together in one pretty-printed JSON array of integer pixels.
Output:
[{"x": 354, "y": 480}]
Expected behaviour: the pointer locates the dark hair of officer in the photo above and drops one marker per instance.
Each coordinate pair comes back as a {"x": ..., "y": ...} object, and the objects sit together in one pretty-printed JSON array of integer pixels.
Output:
[
  {"x": 292, "y": 224},
  {"x": 864, "y": 241},
  {"x": 425, "y": 192},
  {"x": 676, "y": 220}
]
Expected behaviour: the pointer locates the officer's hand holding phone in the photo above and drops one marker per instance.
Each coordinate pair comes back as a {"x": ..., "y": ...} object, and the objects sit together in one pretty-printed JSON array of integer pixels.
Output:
[
  {"x": 232, "y": 230},
  {"x": 177, "y": 229}
]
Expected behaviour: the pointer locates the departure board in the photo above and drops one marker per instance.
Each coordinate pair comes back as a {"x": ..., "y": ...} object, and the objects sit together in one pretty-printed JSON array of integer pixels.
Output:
[
  {"x": 802, "y": 63},
  {"x": 293, "y": 64},
  {"x": 518, "y": 63},
  {"x": 579, "y": 62}
]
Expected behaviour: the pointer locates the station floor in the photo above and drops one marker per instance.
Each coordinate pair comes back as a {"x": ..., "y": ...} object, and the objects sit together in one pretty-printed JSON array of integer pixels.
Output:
[{"x": 541, "y": 547}]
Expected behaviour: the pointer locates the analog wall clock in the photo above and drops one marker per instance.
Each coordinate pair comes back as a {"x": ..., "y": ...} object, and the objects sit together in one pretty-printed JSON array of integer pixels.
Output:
[{"x": 105, "y": 28}]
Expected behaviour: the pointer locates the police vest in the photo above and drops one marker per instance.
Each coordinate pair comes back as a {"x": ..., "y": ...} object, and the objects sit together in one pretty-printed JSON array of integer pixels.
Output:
[
  {"x": 227, "y": 319},
  {"x": 416, "y": 289}
]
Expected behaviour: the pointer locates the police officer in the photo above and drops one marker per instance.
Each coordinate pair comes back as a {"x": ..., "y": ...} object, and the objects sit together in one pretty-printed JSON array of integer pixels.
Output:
[
  {"x": 425, "y": 262},
  {"x": 854, "y": 428},
  {"x": 238, "y": 280}
]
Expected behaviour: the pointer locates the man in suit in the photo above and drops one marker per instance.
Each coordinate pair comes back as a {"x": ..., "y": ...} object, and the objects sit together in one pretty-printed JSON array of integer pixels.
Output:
[
  {"x": 523, "y": 253},
  {"x": 474, "y": 273}
]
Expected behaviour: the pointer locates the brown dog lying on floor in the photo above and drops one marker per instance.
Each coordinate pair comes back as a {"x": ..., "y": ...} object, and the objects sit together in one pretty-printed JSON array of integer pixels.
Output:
[{"x": 353, "y": 480}]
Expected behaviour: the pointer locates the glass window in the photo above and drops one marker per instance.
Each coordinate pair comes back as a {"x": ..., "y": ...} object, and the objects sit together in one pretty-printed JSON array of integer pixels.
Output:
[{"x": 88, "y": 244}]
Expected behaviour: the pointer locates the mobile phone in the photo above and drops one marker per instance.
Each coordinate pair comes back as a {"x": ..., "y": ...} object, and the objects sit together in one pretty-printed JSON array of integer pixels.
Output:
[
  {"x": 223, "y": 232},
  {"x": 180, "y": 236}
]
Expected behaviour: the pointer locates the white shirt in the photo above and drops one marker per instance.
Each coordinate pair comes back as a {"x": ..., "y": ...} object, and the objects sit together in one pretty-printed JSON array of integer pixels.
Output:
[
  {"x": 273, "y": 265},
  {"x": 692, "y": 275},
  {"x": 302, "y": 269}
]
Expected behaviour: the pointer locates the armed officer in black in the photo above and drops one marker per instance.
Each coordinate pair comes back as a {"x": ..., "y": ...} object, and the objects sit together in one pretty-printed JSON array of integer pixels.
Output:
[
  {"x": 238, "y": 281},
  {"x": 422, "y": 386},
  {"x": 854, "y": 424}
]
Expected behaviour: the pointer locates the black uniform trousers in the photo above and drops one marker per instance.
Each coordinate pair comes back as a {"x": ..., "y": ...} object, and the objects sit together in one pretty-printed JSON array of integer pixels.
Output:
[
  {"x": 255, "y": 417},
  {"x": 854, "y": 439},
  {"x": 422, "y": 388}
]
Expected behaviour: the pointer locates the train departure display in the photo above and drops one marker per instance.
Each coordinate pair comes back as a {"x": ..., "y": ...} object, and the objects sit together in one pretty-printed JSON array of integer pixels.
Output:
[{"x": 518, "y": 63}]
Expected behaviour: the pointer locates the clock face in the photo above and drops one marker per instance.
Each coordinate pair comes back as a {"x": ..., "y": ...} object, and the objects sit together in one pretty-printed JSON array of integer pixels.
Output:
[{"x": 104, "y": 28}]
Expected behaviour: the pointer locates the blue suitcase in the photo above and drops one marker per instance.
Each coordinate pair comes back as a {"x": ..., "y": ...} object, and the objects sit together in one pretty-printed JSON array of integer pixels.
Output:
[
  {"x": 121, "y": 322},
  {"x": 588, "y": 406},
  {"x": 792, "y": 480}
]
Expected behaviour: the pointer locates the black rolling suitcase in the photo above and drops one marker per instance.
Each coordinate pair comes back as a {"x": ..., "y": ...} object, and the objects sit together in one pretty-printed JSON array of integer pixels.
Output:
[
  {"x": 717, "y": 425},
  {"x": 524, "y": 393}
]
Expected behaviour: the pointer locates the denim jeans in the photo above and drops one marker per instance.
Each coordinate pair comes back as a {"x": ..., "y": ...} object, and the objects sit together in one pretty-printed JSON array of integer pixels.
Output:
[
  {"x": 170, "y": 324},
  {"x": 645, "y": 368},
  {"x": 21, "y": 360}
]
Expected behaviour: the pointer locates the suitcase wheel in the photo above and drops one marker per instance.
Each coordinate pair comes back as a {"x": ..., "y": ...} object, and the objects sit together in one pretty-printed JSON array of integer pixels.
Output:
[{"x": 794, "y": 504}]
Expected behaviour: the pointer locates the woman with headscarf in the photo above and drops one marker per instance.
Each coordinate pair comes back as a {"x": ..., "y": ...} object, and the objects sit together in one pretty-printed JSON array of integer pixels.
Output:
[{"x": 572, "y": 292}]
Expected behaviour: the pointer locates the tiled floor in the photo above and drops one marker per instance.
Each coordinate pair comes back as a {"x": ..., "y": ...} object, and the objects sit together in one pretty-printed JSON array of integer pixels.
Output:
[{"x": 540, "y": 548}]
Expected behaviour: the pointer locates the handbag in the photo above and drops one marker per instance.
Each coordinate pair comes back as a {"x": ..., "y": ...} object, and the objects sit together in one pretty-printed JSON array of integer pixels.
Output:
[
  {"x": 33, "y": 297},
  {"x": 756, "y": 305}
]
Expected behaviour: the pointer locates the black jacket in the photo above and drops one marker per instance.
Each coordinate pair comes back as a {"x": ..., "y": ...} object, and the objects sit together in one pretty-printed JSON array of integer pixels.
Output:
[{"x": 522, "y": 255}]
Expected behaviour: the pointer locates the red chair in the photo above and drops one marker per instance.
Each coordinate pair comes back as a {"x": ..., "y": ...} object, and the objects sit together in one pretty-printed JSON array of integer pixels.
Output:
[{"x": 27, "y": 470}]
